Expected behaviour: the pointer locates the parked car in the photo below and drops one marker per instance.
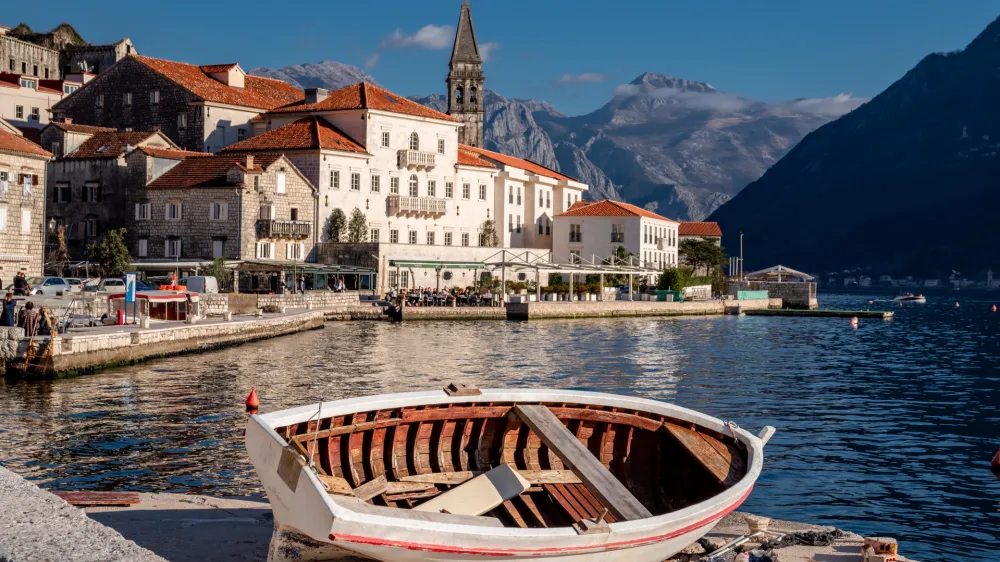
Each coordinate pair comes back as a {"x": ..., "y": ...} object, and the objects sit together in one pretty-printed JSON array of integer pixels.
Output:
[
  {"x": 48, "y": 285},
  {"x": 200, "y": 284},
  {"x": 114, "y": 285},
  {"x": 75, "y": 284}
]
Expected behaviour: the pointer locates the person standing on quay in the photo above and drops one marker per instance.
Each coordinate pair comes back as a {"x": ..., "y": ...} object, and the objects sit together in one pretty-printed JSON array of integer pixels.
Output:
[
  {"x": 20, "y": 284},
  {"x": 8, "y": 316},
  {"x": 29, "y": 320}
]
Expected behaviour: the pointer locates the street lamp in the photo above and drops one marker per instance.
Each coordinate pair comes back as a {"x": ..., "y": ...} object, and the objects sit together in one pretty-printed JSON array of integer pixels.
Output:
[{"x": 52, "y": 225}]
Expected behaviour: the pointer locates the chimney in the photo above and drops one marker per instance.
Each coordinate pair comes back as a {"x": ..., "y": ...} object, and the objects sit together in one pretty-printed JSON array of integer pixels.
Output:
[
  {"x": 249, "y": 161},
  {"x": 316, "y": 95}
]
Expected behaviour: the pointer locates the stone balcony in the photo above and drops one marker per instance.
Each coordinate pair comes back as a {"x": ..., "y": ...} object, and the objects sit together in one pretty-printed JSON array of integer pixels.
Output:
[
  {"x": 415, "y": 159},
  {"x": 401, "y": 205},
  {"x": 270, "y": 228}
]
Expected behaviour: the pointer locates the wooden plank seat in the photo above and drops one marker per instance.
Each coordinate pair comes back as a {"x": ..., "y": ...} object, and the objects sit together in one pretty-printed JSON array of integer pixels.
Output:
[
  {"x": 532, "y": 476},
  {"x": 598, "y": 479},
  {"x": 480, "y": 494},
  {"x": 725, "y": 461},
  {"x": 359, "y": 506}
]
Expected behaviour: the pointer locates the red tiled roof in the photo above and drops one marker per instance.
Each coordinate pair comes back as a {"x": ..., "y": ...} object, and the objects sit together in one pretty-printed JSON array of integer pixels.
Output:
[
  {"x": 9, "y": 142},
  {"x": 258, "y": 92},
  {"x": 212, "y": 68},
  {"x": 107, "y": 144},
  {"x": 210, "y": 171},
  {"x": 366, "y": 96},
  {"x": 158, "y": 152},
  {"x": 77, "y": 128},
  {"x": 13, "y": 80},
  {"x": 526, "y": 165},
  {"x": 609, "y": 208},
  {"x": 307, "y": 133},
  {"x": 467, "y": 158},
  {"x": 699, "y": 229}
]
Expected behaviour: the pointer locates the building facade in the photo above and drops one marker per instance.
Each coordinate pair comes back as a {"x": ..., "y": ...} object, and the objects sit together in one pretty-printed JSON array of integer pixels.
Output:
[
  {"x": 699, "y": 231},
  {"x": 592, "y": 232},
  {"x": 200, "y": 108},
  {"x": 87, "y": 181},
  {"x": 466, "y": 81},
  {"x": 235, "y": 207},
  {"x": 28, "y": 59},
  {"x": 26, "y": 101},
  {"x": 22, "y": 204}
]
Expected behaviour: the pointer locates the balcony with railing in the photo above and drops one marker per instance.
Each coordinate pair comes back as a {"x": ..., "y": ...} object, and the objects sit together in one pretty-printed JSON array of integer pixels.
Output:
[
  {"x": 415, "y": 159},
  {"x": 417, "y": 206},
  {"x": 270, "y": 228}
]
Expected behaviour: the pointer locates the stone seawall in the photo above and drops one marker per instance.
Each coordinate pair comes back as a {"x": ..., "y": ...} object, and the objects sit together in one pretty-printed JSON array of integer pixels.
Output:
[
  {"x": 539, "y": 310},
  {"x": 76, "y": 353},
  {"x": 454, "y": 313}
]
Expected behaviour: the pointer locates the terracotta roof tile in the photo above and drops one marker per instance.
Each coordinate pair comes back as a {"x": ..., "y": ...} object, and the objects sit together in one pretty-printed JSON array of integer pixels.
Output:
[
  {"x": 258, "y": 92},
  {"x": 366, "y": 96},
  {"x": 699, "y": 229},
  {"x": 107, "y": 144},
  {"x": 521, "y": 163},
  {"x": 77, "y": 128},
  {"x": 13, "y": 80},
  {"x": 9, "y": 142},
  {"x": 609, "y": 208},
  {"x": 467, "y": 158},
  {"x": 210, "y": 68},
  {"x": 307, "y": 133},
  {"x": 210, "y": 171},
  {"x": 158, "y": 152}
]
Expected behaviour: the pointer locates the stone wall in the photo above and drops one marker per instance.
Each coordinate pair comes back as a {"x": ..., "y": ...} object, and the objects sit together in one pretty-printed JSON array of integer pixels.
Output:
[
  {"x": 317, "y": 299},
  {"x": 26, "y": 57},
  {"x": 98, "y": 58},
  {"x": 20, "y": 249},
  {"x": 793, "y": 295},
  {"x": 214, "y": 304},
  {"x": 454, "y": 313}
]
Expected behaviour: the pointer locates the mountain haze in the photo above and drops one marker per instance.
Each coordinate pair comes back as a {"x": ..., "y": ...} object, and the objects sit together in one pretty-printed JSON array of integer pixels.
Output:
[{"x": 905, "y": 184}]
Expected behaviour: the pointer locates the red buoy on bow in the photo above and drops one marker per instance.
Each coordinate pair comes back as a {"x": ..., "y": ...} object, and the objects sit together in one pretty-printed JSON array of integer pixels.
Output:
[
  {"x": 252, "y": 402},
  {"x": 995, "y": 463}
]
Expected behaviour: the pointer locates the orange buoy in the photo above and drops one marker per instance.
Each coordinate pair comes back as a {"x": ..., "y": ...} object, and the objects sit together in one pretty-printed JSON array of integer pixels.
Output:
[
  {"x": 956, "y": 304},
  {"x": 994, "y": 308},
  {"x": 869, "y": 302},
  {"x": 252, "y": 402},
  {"x": 854, "y": 321},
  {"x": 900, "y": 305},
  {"x": 995, "y": 463}
]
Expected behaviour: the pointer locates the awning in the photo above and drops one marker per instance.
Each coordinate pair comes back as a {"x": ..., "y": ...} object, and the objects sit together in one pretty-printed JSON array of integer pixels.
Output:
[
  {"x": 303, "y": 267},
  {"x": 431, "y": 264}
]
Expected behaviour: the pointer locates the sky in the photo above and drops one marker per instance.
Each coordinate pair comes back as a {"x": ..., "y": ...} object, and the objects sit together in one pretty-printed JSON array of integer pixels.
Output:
[{"x": 572, "y": 54}]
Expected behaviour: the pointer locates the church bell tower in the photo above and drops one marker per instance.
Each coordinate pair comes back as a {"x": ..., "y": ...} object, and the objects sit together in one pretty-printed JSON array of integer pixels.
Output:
[{"x": 466, "y": 81}]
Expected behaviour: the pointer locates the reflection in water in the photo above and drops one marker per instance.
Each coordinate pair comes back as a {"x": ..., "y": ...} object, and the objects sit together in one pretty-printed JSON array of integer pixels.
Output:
[{"x": 887, "y": 429}]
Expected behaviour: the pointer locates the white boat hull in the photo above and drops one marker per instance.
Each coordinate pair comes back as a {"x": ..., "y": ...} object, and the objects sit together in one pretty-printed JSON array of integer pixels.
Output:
[{"x": 310, "y": 510}]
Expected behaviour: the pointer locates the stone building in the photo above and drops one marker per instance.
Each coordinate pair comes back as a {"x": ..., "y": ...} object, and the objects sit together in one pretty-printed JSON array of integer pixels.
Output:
[
  {"x": 22, "y": 204},
  {"x": 200, "y": 108},
  {"x": 236, "y": 207},
  {"x": 87, "y": 180},
  {"x": 93, "y": 59},
  {"x": 466, "y": 81},
  {"x": 28, "y": 59}
]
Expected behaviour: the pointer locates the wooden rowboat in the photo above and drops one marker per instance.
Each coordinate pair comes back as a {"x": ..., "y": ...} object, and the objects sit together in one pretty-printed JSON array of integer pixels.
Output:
[{"x": 468, "y": 474}]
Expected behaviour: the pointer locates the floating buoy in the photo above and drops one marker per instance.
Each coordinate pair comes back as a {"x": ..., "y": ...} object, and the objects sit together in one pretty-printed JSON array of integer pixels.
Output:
[
  {"x": 956, "y": 304},
  {"x": 854, "y": 321},
  {"x": 901, "y": 304},
  {"x": 252, "y": 402},
  {"x": 995, "y": 463},
  {"x": 994, "y": 308},
  {"x": 869, "y": 302}
]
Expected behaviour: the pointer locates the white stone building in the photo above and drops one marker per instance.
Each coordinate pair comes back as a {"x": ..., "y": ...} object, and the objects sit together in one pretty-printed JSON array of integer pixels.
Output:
[
  {"x": 590, "y": 232},
  {"x": 25, "y": 100}
]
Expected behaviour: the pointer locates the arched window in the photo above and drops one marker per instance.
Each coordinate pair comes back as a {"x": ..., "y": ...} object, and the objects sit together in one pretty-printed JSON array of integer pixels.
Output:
[
  {"x": 414, "y": 141},
  {"x": 459, "y": 95},
  {"x": 414, "y": 186},
  {"x": 472, "y": 95}
]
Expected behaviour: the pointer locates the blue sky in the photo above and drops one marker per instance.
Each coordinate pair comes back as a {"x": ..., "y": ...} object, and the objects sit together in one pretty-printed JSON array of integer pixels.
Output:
[{"x": 570, "y": 53}]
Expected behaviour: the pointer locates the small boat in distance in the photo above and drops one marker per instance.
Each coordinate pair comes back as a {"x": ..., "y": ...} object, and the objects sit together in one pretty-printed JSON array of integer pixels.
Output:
[
  {"x": 471, "y": 475},
  {"x": 910, "y": 297}
]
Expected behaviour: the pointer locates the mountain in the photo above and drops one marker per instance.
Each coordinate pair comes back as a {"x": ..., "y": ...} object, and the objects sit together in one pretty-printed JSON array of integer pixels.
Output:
[
  {"x": 327, "y": 74},
  {"x": 907, "y": 183},
  {"x": 62, "y": 35},
  {"x": 680, "y": 147},
  {"x": 675, "y": 146}
]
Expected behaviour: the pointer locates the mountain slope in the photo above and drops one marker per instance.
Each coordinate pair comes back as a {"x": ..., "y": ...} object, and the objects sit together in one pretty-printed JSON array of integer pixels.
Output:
[
  {"x": 904, "y": 184},
  {"x": 327, "y": 74},
  {"x": 62, "y": 35}
]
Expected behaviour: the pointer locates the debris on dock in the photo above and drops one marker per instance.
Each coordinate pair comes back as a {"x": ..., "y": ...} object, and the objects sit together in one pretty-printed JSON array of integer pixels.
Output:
[{"x": 122, "y": 499}]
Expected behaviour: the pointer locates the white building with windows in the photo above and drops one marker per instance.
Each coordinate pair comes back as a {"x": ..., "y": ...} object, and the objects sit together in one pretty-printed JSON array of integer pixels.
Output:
[
  {"x": 25, "y": 100},
  {"x": 592, "y": 231},
  {"x": 423, "y": 195}
]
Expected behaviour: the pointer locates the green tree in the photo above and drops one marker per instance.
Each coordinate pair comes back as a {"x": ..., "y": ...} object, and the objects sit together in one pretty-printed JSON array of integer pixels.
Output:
[
  {"x": 336, "y": 226},
  {"x": 111, "y": 254},
  {"x": 621, "y": 256},
  {"x": 674, "y": 279},
  {"x": 59, "y": 255},
  {"x": 217, "y": 268},
  {"x": 357, "y": 227},
  {"x": 488, "y": 230},
  {"x": 702, "y": 254}
]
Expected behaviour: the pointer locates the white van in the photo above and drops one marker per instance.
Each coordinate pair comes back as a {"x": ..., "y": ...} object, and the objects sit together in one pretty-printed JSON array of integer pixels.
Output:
[{"x": 199, "y": 284}]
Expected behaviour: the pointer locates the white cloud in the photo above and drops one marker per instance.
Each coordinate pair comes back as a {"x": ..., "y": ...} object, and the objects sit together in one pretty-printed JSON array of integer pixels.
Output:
[
  {"x": 584, "y": 78},
  {"x": 628, "y": 90},
  {"x": 486, "y": 50},
  {"x": 371, "y": 61},
  {"x": 836, "y": 105},
  {"x": 427, "y": 37}
]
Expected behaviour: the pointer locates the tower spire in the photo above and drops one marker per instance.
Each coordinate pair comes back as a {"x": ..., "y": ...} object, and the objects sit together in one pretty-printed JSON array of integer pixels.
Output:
[{"x": 466, "y": 81}]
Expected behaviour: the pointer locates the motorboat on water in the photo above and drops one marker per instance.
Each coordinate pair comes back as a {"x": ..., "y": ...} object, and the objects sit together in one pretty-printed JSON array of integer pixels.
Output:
[
  {"x": 466, "y": 474},
  {"x": 910, "y": 297}
]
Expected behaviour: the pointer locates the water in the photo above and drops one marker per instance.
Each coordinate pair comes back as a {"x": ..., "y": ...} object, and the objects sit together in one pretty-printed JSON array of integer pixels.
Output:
[{"x": 887, "y": 429}]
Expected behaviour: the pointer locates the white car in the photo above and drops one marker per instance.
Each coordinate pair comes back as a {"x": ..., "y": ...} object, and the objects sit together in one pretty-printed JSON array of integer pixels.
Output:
[
  {"x": 75, "y": 284},
  {"x": 109, "y": 285},
  {"x": 48, "y": 286}
]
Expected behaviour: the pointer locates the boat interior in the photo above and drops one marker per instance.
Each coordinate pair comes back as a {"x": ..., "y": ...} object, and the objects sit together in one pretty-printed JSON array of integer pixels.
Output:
[{"x": 577, "y": 465}]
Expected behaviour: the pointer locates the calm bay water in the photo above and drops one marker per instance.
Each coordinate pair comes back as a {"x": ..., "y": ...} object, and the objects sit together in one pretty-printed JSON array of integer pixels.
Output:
[{"x": 887, "y": 429}]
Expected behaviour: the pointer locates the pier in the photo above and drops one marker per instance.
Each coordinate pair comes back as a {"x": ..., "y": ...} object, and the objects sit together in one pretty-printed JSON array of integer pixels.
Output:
[
  {"x": 617, "y": 309},
  {"x": 876, "y": 314}
]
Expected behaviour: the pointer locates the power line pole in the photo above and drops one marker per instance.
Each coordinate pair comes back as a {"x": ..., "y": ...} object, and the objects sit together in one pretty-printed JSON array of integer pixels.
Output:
[{"x": 741, "y": 255}]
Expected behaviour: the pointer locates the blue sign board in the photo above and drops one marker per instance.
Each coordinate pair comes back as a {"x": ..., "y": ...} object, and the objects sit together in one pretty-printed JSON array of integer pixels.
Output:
[{"x": 130, "y": 287}]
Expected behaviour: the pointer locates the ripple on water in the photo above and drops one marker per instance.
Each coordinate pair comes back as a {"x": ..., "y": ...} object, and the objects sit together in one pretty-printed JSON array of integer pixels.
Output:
[{"x": 886, "y": 429}]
